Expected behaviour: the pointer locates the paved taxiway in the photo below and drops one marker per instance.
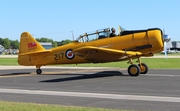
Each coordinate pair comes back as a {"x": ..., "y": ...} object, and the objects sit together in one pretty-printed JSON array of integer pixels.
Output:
[{"x": 92, "y": 87}]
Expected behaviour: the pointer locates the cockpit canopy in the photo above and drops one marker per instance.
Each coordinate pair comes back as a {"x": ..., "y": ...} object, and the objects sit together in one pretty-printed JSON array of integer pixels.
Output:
[
  {"x": 91, "y": 36},
  {"x": 98, "y": 34}
]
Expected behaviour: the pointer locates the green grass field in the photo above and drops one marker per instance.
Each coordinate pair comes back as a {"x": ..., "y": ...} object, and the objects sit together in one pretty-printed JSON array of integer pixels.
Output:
[
  {"x": 169, "y": 63},
  {"x": 17, "y": 106},
  {"x": 162, "y": 63},
  {"x": 8, "y": 62}
]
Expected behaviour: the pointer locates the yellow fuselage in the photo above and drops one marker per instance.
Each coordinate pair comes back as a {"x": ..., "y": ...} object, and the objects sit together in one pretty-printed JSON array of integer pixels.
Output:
[{"x": 146, "y": 42}]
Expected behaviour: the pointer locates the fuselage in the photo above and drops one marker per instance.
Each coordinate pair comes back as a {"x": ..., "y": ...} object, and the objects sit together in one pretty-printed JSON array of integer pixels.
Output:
[{"x": 147, "y": 42}]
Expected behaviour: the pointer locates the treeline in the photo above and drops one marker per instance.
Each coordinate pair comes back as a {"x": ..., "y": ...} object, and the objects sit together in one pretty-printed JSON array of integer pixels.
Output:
[
  {"x": 14, "y": 44},
  {"x": 54, "y": 43},
  {"x": 9, "y": 44}
]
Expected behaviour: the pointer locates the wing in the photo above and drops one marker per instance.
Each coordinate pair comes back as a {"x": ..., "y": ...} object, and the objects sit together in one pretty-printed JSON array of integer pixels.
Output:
[{"x": 99, "y": 54}]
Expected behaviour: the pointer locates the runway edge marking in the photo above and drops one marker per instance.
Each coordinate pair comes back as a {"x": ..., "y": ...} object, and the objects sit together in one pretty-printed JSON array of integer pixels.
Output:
[{"x": 92, "y": 95}]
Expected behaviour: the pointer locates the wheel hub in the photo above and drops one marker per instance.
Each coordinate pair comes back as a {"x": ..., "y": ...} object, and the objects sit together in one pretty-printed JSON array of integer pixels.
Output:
[{"x": 133, "y": 70}]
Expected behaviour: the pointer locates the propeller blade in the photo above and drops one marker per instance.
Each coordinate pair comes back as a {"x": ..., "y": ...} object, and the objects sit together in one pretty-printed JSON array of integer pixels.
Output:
[
  {"x": 166, "y": 40},
  {"x": 165, "y": 49},
  {"x": 163, "y": 32}
]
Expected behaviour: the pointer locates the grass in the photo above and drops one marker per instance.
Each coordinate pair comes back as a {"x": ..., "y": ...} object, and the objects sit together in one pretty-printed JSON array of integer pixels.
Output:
[
  {"x": 169, "y": 63},
  {"x": 155, "y": 63},
  {"x": 8, "y": 61},
  {"x": 161, "y": 63},
  {"x": 18, "y": 106},
  {"x": 171, "y": 54}
]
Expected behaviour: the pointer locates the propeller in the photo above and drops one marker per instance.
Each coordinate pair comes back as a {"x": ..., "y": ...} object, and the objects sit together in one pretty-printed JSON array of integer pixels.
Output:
[{"x": 166, "y": 40}]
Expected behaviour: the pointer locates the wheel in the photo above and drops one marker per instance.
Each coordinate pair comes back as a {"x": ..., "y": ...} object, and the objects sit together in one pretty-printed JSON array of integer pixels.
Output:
[
  {"x": 133, "y": 70},
  {"x": 38, "y": 71},
  {"x": 143, "y": 68}
]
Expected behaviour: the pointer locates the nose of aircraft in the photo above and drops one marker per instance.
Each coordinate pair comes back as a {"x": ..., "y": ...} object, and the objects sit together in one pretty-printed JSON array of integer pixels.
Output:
[{"x": 166, "y": 38}]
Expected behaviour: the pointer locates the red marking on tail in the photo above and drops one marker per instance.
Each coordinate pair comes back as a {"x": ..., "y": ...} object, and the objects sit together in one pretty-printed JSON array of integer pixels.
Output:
[{"x": 32, "y": 44}]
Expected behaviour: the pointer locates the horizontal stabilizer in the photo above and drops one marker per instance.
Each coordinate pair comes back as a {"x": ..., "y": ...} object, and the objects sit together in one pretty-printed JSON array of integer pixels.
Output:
[{"x": 35, "y": 53}]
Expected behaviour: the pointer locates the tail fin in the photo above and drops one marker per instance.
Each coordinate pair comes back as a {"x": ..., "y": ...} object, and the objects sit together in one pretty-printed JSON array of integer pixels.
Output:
[{"x": 29, "y": 44}]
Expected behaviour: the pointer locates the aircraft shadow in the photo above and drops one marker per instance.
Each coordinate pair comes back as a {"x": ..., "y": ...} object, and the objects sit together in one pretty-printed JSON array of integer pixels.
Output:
[
  {"x": 14, "y": 74},
  {"x": 86, "y": 76}
]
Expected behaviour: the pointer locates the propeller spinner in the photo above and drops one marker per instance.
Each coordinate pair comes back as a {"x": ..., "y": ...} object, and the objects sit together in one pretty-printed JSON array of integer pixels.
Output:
[{"x": 166, "y": 38}]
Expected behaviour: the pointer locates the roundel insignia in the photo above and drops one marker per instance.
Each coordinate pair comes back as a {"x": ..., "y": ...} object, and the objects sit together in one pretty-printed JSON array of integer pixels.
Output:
[{"x": 69, "y": 54}]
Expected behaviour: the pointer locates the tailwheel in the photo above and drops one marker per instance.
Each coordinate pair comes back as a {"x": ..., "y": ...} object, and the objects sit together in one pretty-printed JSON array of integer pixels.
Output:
[
  {"x": 133, "y": 70},
  {"x": 39, "y": 71},
  {"x": 143, "y": 68}
]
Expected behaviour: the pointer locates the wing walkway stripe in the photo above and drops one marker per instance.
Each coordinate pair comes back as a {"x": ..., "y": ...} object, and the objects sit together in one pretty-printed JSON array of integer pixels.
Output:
[{"x": 92, "y": 95}]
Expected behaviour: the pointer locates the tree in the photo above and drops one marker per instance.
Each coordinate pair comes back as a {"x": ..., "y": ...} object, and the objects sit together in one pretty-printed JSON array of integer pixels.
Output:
[
  {"x": 55, "y": 44},
  {"x": 15, "y": 44},
  {"x": 43, "y": 39},
  {"x": 6, "y": 43},
  {"x": 1, "y": 41},
  {"x": 63, "y": 42}
]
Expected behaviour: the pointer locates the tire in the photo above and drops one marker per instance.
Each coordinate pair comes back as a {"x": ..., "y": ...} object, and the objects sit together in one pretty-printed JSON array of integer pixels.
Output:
[
  {"x": 133, "y": 70},
  {"x": 38, "y": 71},
  {"x": 145, "y": 68}
]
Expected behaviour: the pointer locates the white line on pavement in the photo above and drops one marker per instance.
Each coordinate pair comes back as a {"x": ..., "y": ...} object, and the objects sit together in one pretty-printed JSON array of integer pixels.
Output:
[{"x": 92, "y": 95}]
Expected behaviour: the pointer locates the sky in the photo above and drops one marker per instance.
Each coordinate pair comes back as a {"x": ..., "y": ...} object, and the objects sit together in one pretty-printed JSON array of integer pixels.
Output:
[{"x": 57, "y": 19}]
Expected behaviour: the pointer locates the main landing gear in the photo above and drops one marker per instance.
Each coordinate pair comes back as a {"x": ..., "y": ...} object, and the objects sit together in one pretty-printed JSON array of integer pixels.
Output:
[
  {"x": 135, "y": 70},
  {"x": 38, "y": 70}
]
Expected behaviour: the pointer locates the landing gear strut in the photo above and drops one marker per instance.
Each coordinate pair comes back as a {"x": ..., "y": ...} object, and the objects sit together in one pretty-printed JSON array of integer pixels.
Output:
[
  {"x": 143, "y": 67},
  {"x": 135, "y": 70}
]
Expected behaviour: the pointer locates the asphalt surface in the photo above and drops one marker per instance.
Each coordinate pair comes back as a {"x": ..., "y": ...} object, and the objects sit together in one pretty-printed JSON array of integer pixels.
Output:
[{"x": 92, "y": 87}]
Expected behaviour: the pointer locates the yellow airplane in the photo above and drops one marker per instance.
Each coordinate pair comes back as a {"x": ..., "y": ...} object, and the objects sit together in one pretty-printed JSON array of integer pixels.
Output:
[{"x": 96, "y": 47}]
